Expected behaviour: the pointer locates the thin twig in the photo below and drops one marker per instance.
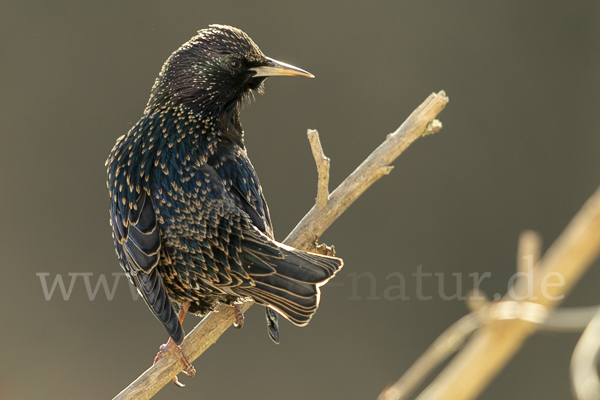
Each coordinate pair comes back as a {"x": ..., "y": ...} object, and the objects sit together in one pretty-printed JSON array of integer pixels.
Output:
[
  {"x": 316, "y": 221},
  {"x": 497, "y": 341},
  {"x": 528, "y": 254},
  {"x": 569, "y": 319},
  {"x": 529, "y": 250},
  {"x": 561, "y": 320},
  {"x": 322, "y": 168},
  {"x": 302, "y": 237},
  {"x": 584, "y": 372},
  {"x": 446, "y": 344}
]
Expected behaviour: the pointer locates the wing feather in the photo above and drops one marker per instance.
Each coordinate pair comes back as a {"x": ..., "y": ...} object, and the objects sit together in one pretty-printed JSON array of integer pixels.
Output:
[{"x": 138, "y": 244}]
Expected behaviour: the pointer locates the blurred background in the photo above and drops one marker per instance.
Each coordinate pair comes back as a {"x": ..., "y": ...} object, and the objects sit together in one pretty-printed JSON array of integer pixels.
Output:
[{"x": 519, "y": 150}]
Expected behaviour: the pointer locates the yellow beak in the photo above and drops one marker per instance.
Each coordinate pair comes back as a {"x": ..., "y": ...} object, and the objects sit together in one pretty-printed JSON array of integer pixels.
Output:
[{"x": 278, "y": 68}]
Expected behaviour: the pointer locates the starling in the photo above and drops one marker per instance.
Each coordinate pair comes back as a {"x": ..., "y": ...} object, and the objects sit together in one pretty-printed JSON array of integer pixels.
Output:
[{"x": 190, "y": 223}]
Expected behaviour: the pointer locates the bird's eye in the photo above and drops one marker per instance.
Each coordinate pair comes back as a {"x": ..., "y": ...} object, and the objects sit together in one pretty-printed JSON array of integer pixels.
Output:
[{"x": 235, "y": 63}]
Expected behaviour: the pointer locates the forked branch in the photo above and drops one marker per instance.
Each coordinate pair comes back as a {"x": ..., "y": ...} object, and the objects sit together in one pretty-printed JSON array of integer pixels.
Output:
[{"x": 506, "y": 324}]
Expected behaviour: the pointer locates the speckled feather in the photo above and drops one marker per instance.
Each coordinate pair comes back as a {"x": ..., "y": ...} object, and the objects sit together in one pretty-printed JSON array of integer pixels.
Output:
[{"x": 190, "y": 222}]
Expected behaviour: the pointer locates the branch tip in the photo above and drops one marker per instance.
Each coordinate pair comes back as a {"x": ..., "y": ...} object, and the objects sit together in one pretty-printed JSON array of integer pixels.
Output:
[
  {"x": 323, "y": 163},
  {"x": 529, "y": 249}
]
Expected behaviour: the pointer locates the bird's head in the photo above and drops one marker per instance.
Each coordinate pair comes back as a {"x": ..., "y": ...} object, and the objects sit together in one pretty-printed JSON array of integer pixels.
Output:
[{"x": 215, "y": 71}]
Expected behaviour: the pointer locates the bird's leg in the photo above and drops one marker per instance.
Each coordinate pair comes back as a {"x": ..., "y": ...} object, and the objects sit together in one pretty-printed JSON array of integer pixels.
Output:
[
  {"x": 189, "y": 369},
  {"x": 170, "y": 348},
  {"x": 183, "y": 311},
  {"x": 239, "y": 316}
]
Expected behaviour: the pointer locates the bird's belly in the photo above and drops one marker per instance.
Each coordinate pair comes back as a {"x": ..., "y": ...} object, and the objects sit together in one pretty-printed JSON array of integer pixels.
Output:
[{"x": 203, "y": 296}]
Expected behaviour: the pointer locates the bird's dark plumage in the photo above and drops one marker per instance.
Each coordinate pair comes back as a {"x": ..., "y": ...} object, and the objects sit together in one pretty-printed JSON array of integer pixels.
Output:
[{"x": 190, "y": 222}]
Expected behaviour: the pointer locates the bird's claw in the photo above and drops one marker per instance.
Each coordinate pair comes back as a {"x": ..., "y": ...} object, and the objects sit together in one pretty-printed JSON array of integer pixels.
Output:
[
  {"x": 189, "y": 370},
  {"x": 172, "y": 349},
  {"x": 176, "y": 382},
  {"x": 239, "y": 316}
]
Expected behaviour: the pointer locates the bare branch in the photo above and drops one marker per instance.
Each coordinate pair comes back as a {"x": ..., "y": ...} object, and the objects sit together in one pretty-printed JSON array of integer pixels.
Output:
[
  {"x": 322, "y": 168},
  {"x": 477, "y": 300},
  {"x": 446, "y": 344},
  {"x": 569, "y": 319},
  {"x": 584, "y": 373},
  {"x": 563, "y": 320},
  {"x": 497, "y": 341},
  {"x": 529, "y": 250},
  {"x": 196, "y": 342},
  {"x": 302, "y": 237},
  {"x": 316, "y": 221}
]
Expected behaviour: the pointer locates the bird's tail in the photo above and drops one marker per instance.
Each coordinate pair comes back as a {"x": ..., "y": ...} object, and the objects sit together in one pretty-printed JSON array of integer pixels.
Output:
[{"x": 287, "y": 280}]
